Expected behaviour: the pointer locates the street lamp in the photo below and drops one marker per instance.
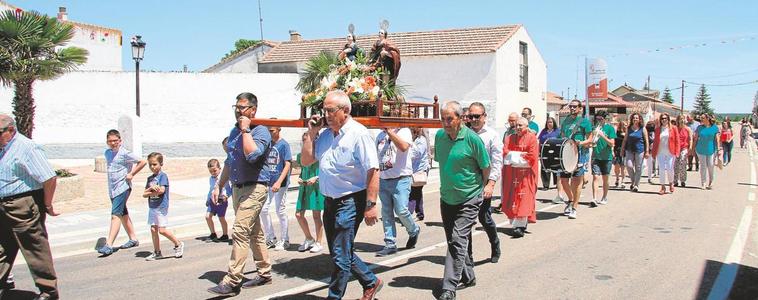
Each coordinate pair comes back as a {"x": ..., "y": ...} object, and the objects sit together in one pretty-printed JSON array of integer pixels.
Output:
[{"x": 138, "y": 52}]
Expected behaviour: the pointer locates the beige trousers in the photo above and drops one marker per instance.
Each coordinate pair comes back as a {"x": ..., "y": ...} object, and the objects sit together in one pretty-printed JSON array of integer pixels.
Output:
[{"x": 247, "y": 233}]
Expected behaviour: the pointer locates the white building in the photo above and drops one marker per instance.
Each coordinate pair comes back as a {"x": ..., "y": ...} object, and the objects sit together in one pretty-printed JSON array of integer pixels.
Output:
[
  {"x": 498, "y": 66},
  {"x": 104, "y": 44}
]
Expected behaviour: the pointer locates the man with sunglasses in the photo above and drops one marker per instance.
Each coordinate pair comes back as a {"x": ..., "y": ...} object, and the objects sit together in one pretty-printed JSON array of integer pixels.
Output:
[
  {"x": 349, "y": 180},
  {"x": 579, "y": 129},
  {"x": 476, "y": 120},
  {"x": 247, "y": 149},
  {"x": 27, "y": 185},
  {"x": 527, "y": 114}
]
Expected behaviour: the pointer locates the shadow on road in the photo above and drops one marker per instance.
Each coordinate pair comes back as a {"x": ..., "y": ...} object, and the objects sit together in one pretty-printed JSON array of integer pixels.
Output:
[
  {"x": 548, "y": 215},
  {"x": 19, "y": 294},
  {"x": 744, "y": 286},
  {"x": 361, "y": 247},
  {"x": 415, "y": 282}
]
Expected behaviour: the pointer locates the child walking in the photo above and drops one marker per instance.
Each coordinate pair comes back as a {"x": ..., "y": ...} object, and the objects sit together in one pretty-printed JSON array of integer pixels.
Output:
[
  {"x": 219, "y": 209},
  {"x": 309, "y": 198},
  {"x": 156, "y": 192}
]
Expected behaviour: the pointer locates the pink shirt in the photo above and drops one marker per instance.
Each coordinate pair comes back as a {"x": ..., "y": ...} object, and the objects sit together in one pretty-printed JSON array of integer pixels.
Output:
[{"x": 684, "y": 138}]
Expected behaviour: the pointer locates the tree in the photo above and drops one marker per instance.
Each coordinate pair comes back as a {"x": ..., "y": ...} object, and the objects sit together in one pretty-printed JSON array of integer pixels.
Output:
[
  {"x": 241, "y": 45},
  {"x": 667, "y": 96},
  {"x": 31, "y": 49},
  {"x": 703, "y": 102}
]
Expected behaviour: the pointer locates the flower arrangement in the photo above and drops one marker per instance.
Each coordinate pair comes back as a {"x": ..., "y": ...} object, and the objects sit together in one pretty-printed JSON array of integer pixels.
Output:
[{"x": 361, "y": 82}]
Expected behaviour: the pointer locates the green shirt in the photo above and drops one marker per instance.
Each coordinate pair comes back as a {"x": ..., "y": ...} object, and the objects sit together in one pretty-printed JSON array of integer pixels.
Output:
[
  {"x": 604, "y": 151},
  {"x": 461, "y": 163},
  {"x": 576, "y": 128},
  {"x": 534, "y": 127}
]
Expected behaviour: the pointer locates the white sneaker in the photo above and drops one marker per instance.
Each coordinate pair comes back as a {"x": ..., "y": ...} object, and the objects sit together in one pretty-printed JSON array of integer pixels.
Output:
[
  {"x": 154, "y": 256},
  {"x": 593, "y": 203},
  {"x": 305, "y": 246},
  {"x": 567, "y": 210},
  {"x": 281, "y": 245},
  {"x": 558, "y": 200},
  {"x": 316, "y": 248},
  {"x": 603, "y": 201},
  {"x": 572, "y": 214},
  {"x": 179, "y": 250}
]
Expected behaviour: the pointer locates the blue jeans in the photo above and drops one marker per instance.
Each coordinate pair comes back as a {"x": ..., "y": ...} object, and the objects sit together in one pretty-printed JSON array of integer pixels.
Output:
[
  {"x": 342, "y": 217},
  {"x": 394, "y": 194}
]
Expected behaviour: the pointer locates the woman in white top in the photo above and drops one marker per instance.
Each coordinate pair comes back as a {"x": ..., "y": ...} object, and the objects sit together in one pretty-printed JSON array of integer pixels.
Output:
[{"x": 665, "y": 150}]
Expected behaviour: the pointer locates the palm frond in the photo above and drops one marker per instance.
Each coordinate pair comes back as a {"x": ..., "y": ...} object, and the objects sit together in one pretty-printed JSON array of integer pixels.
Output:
[{"x": 315, "y": 70}]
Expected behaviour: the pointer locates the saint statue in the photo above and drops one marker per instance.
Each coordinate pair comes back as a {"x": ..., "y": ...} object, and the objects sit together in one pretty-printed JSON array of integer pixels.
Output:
[{"x": 385, "y": 54}]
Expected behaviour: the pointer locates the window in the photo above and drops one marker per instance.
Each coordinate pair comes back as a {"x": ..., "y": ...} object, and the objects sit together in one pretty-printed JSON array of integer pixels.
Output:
[{"x": 523, "y": 68}]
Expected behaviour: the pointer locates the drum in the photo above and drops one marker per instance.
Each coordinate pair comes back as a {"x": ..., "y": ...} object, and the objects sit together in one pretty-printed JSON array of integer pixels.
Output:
[{"x": 559, "y": 155}]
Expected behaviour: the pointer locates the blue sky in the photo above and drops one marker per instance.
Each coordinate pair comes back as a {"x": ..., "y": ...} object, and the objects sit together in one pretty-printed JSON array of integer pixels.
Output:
[{"x": 198, "y": 33}]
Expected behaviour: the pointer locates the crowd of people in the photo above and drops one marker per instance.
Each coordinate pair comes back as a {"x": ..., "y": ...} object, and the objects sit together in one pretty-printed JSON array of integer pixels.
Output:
[{"x": 345, "y": 172}]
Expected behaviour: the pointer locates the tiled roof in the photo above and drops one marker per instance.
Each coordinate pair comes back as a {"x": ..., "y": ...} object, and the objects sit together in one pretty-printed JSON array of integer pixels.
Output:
[
  {"x": 553, "y": 98},
  {"x": 271, "y": 44},
  {"x": 420, "y": 43}
]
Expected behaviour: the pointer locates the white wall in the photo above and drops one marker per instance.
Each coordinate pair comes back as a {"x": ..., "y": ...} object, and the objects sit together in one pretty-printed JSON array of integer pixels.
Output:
[
  {"x": 510, "y": 98},
  {"x": 104, "y": 46},
  {"x": 246, "y": 63},
  {"x": 176, "y": 107}
]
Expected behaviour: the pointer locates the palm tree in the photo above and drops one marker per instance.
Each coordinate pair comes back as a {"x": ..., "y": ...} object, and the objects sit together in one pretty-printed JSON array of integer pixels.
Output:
[{"x": 32, "y": 48}]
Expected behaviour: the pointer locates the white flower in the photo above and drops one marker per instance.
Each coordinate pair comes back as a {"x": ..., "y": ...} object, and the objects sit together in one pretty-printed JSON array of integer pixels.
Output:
[{"x": 375, "y": 90}]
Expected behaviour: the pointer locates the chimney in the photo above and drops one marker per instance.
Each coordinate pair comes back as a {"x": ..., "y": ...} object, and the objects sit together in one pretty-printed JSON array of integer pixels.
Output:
[
  {"x": 295, "y": 36},
  {"x": 62, "y": 15}
]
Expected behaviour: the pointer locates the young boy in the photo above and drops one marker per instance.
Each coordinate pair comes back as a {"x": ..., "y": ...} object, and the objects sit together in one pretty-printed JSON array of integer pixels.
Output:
[
  {"x": 219, "y": 210},
  {"x": 121, "y": 170},
  {"x": 156, "y": 192},
  {"x": 278, "y": 165}
]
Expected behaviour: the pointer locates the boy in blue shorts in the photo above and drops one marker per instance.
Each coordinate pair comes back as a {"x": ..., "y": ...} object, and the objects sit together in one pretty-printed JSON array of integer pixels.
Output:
[
  {"x": 156, "y": 192},
  {"x": 121, "y": 170},
  {"x": 219, "y": 210}
]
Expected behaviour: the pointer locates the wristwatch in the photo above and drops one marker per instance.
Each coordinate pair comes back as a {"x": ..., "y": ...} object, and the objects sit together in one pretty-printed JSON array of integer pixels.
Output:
[
  {"x": 246, "y": 130},
  {"x": 370, "y": 204}
]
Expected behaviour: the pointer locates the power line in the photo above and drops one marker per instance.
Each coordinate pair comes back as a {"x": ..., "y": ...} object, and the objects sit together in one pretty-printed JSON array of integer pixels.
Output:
[
  {"x": 708, "y": 77},
  {"x": 724, "y": 84},
  {"x": 751, "y": 37}
]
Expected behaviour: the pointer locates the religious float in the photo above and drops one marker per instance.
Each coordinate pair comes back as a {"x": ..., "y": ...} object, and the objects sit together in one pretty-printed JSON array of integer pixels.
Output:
[{"x": 368, "y": 79}]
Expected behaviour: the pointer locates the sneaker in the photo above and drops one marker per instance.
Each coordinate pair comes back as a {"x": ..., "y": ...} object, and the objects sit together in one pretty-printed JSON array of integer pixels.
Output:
[
  {"x": 130, "y": 244},
  {"x": 281, "y": 245},
  {"x": 223, "y": 238},
  {"x": 635, "y": 189},
  {"x": 154, "y": 256},
  {"x": 305, "y": 246},
  {"x": 179, "y": 250},
  {"x": 212, "y": 237},
  {"x": 316, "y": 248},
  {"x": 413, "y": 240},
  {"x": 603, "y": 201},
  {"x": 105, "y": 250},
  {"x": 572, "y": 214},
  {"x": 369, "y": 293},
  {"x": 558, "y": 200},
  {"x": 386, "y": 251},
  {"x": 593, "y": 203},
  {"x": 567, "y": 210},
  {"x": 271, "y": 243}
]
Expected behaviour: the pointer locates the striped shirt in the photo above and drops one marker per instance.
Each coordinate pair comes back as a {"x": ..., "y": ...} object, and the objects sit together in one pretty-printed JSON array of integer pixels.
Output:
[
  {"x": 119, "y": 165},
  {"x": 23, "y": 167}
]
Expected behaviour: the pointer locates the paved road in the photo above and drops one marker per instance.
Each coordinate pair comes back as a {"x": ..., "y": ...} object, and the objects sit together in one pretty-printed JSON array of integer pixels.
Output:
[{"x": 689, "y": 245}]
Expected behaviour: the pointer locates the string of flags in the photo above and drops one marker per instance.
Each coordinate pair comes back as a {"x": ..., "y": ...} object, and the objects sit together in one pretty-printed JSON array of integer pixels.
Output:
[{"x": 697, "y": 45}]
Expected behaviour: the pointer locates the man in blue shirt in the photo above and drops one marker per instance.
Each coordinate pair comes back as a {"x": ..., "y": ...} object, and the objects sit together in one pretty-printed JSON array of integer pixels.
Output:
[
  {"x": 247, "y": 148},
  {"x": 349, "y": 179},
  {"x": 27, "y": 185}
]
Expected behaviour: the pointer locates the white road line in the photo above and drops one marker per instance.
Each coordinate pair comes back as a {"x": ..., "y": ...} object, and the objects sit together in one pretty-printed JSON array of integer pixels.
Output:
[
  {"x": 728, "y": 272},
  {"x": 385, "y": 263},
  {"x": 751, "y": 196}
]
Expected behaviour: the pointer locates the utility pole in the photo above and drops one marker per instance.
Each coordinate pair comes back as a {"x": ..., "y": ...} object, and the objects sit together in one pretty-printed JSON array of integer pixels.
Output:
[
  {"x": 682, "y": 108},
  {"x": 260, "y": 18}
]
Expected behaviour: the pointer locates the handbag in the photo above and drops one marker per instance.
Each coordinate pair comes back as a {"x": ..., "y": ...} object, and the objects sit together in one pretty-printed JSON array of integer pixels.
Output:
[{"x": 419, "y": 178}]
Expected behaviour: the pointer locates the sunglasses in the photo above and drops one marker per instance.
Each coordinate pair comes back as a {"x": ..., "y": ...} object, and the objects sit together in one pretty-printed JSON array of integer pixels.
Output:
[
  {"x": 573, "y": 106},
  {"x": 332, "y": 110},
  {"x": 474, "y": 116}
]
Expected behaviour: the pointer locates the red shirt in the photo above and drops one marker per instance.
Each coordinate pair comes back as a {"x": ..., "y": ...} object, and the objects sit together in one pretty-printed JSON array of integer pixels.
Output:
[
  {"x": 726, "y": 134},
  {"x": 684, "y": 138}
]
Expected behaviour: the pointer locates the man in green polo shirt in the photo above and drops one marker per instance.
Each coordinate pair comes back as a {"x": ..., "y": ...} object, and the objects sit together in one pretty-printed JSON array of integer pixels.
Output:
[
  {"x": 527, "y": 113},
  {"x": 464, "y": 163},
  {"x": 602, "y": 156},
  {"x": 579, "y": 129}
]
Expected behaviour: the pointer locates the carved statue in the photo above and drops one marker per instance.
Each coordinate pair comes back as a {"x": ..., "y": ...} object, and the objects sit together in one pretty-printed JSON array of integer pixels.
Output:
[{"x": 385, "y": 54}]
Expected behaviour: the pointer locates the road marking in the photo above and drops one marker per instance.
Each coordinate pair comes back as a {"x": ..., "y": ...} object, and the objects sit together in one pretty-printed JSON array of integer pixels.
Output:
[
  {"x": 751, "y": 196},
  {"x": 728, "y": 272},
  {"x": 323, "y": 282}
]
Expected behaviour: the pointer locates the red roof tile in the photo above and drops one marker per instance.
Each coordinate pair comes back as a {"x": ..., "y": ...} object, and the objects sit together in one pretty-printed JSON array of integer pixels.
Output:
[{"x": 421, "y": 43}]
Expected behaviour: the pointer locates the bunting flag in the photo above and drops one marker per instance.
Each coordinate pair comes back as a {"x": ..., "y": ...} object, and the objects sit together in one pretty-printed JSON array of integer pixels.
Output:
[{"x": 698, "y": 45}]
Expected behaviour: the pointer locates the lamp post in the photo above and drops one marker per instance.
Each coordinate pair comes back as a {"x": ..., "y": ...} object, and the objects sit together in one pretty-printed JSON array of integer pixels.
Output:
[{"x": 138, "y": 52}]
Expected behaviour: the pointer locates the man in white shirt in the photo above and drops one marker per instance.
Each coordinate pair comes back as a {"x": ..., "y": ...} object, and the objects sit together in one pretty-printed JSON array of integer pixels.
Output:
[
  {"x": 395, "y": 181},
  {"x": 477, "y": 119},
  {"x": 349, "y": 180}
]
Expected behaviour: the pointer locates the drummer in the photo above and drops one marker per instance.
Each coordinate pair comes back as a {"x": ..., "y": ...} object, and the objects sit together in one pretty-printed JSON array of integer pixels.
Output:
[{"x": 579, "y": 129}]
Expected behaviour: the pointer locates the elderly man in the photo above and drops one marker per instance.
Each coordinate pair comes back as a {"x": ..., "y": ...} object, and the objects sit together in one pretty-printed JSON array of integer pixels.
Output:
[
  {"x": 464, "y": 165},
  {"x": 520, "y": 173},
  {"x": 27, "y": 185},
  {"x": 247, "y": 149},
  {"x": 511, "y": 126},
  {"x": 476, "y": 120},
  {"x": 527, "y": 113},
  {"x": 578, "y": 129},
  {"x": 349, "y": 179},
  {"x": 395, "y": 181}
]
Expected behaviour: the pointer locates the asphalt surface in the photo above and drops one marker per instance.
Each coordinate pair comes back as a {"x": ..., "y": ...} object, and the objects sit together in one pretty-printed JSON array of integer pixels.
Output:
[{"x": 688, "y": 245}]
